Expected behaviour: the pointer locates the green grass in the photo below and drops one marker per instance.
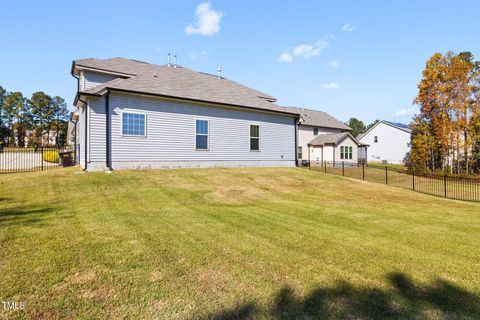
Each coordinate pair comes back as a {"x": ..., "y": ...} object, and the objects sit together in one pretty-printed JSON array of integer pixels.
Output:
[
  {"x": 233, "y": 243},
  {"x": 390, "y": 165}
]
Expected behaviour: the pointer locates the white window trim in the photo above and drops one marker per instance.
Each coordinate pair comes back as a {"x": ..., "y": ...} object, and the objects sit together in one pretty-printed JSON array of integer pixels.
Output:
[
  {"x": 250, "y": 137},
  {"x": 133, "y": 135},
  {"x": 195, "y": 134}
]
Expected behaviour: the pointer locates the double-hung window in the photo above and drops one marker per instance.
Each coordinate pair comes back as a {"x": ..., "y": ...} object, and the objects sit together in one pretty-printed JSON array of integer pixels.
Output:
[
  {"x": 133, "y": 124},
  {"x": 346, "y": 152},
  {"x": 315, "y": 131},
  {"x": 300, "y": 152},
  {"x": 201, "y": 134},
  {"x": 254, "y": 137}
]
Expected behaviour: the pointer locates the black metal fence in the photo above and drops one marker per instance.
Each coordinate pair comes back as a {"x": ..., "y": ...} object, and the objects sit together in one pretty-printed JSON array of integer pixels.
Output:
[
  {"x": 13, "y": 160},
  {"x": 459, "y": 188}
]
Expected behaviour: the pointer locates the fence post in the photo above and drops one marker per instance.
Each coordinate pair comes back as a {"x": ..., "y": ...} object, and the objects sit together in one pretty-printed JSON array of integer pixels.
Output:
[
  {"x": 413, "y": 180},
  {"x": 386, "y": 174},
  {"x": 41, "y": 158},
  {"x": 363, "y": 171},
  {"x": 445, "y": 185},
  {"x": 309, "y": 166},
  {"x": 325, "y": 165},
  {"x": 343, "y": 168}
]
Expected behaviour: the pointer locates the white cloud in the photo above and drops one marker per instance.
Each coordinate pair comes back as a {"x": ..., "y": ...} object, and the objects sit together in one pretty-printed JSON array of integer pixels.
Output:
[
  {"x": 330, "y": 86},
  {"x": 348, "y": 27},
  {"x": 285, "y": 57},
  {"x": 334, "y": 63},
  {"x": 207, "y": 21},
  {"x": 406, "y": 112},
  {"x": 305, "y": 50},
  {"x": 310, "y": 50}
]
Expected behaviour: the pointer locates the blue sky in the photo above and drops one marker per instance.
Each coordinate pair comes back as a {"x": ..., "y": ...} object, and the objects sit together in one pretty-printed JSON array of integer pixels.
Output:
[{"x": 350, "y": 58}]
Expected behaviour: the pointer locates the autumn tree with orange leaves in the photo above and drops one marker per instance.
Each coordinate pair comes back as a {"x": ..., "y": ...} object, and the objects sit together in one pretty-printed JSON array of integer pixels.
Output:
[{"x": 446, "y": 132}]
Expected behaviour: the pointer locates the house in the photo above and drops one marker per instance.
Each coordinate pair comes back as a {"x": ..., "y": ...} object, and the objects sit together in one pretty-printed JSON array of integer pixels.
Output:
[
  {"x": 132, "y": 114},
  {"x": 389, "y": 142},
  {"x": 322, "y": 138}
]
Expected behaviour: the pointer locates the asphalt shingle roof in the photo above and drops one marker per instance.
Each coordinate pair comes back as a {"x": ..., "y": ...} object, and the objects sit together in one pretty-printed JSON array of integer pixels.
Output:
[
  {"x": 331, "y": 138},
  {"x": 181, "y": 82},
  {"x": 178, "y": 82},
  {"x": 320, "y": 119}
]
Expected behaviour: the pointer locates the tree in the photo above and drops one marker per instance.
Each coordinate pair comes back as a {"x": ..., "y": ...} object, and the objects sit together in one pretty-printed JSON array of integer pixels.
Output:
[
  {"x": 371, "y": 125},
  {"x": 423, "y": 145},
  {"x": 60, "y": 115},
  {"x": 358, "y": 127},
  {"x": 3, "y": 129},
  {"x": 14, "y": 113},
  {"x": 448, "y": 99},
  {"x": 42, "y": 112}
]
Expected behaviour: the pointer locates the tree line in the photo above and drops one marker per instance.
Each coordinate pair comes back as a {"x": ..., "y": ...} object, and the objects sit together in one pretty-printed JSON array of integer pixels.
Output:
[
  {"x": 446, "y": 132},
  {"x": 34, "y": 121}
]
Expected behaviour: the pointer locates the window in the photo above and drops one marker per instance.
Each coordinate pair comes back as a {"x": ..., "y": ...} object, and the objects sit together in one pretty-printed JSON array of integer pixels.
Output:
[
  {"x": 201, "y": 134},
  {"x": 254, "y": 137},
  {"x": 346, "y": 152},
  {"x": 315, "y": 131},
  {"x": 375, "y": 139},
  {"x": 133, "y": 124},
  {"x": 299, "y": 152}
]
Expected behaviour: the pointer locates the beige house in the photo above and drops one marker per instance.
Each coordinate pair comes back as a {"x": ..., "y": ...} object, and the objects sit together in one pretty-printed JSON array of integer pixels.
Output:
[
  {"x": 335, "y": 147},
  {"x": 321, "y": 138}
]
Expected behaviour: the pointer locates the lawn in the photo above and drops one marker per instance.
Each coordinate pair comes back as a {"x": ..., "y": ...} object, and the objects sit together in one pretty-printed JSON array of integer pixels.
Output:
[{"x": 233, "y": 243}]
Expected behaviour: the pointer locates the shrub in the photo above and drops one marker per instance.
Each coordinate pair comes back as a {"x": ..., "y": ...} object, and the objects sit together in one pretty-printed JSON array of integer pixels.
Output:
[{"x": 51, "y": 156}]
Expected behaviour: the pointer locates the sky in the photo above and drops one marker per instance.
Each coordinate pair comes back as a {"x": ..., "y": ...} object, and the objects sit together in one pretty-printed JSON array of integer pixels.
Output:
[{"x": 359, "y": 59}]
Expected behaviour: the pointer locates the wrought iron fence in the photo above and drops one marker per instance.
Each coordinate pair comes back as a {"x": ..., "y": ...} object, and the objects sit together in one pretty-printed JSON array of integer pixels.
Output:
[
  {"x": 458, "y": 188},
  {"x": 13, "y": 160}
]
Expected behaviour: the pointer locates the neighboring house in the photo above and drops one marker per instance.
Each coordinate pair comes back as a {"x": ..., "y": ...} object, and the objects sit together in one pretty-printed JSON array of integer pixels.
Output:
[
  {"x": 389, "y": 142},
  {"x": 133, "y": 114},
  {"x": 321, "y": 138},
  {"x": 334, "y": 147}
]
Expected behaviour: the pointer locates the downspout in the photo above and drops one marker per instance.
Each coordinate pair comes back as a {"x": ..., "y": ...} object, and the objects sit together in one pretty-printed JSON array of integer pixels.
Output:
[
  {"x": 296, "y": 141},
  {"x": 108, "y": 163},
  {"x": 86, "y": 132},
  {"x": 86, "y": 119}
]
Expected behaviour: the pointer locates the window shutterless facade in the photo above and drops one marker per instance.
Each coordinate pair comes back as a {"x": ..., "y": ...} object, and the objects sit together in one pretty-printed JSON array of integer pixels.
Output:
[
  {"x": 133, "y": 124},
  {"x": 201, "y": 134},
  {"x": 254, "y": 137},
  {"x": 299, "y": 152},
  {"x": 315, "y": 131},
  {"x": 375, "y": 139}
]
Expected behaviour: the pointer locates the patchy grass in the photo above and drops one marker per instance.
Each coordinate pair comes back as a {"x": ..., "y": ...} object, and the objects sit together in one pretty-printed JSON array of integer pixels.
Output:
[{"x": 233, "y": 243}]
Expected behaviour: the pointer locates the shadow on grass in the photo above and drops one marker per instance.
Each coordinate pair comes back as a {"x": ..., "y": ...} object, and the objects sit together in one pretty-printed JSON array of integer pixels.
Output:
[
  {"x": 405, "y": 300},
  {"x": 23, "y": 215}
]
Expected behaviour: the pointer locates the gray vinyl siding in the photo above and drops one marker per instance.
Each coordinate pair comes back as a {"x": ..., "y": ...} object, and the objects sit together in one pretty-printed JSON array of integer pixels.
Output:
[
  {"x": 92, "y": 79},
  {"x": 97, "y": 130},
  {"x": 170, "y": 132}
]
